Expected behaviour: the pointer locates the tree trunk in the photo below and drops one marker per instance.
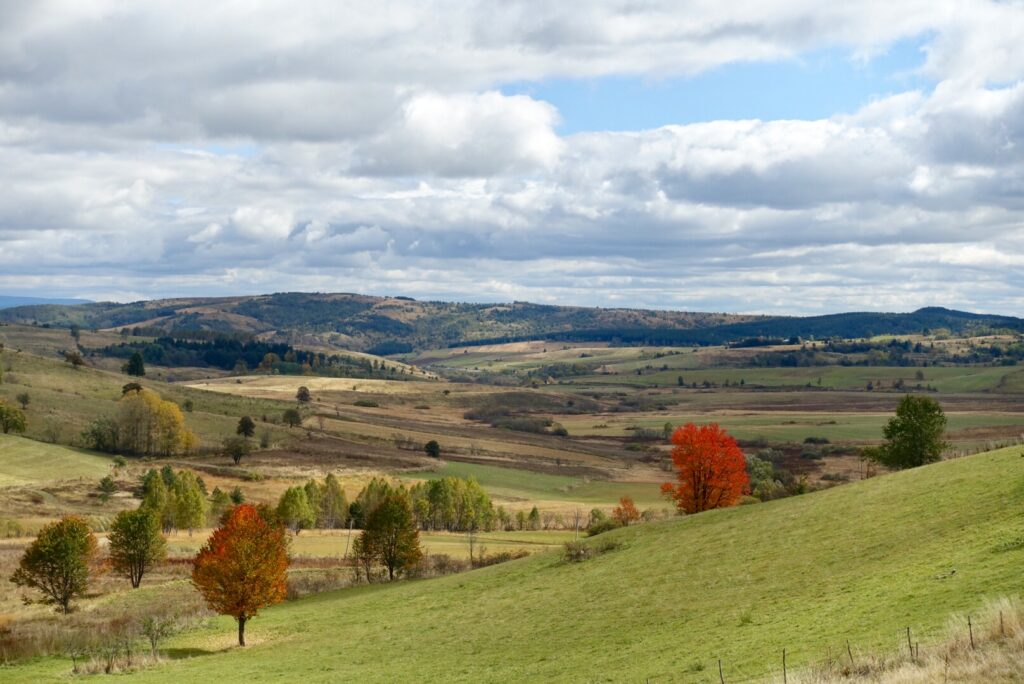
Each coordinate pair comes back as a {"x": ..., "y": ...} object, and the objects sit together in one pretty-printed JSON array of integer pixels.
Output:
[{"x": 241, "y": 630}]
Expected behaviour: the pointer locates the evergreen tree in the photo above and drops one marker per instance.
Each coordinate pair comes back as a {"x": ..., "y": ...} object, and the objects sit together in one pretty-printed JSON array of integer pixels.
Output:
[
  {"x": 246, "y": 427},
  {"x": 135, "y": 366}
]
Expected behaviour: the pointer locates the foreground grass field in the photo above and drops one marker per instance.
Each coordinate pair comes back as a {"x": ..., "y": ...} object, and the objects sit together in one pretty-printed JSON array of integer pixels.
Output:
[{"x": 859, "y": 562}]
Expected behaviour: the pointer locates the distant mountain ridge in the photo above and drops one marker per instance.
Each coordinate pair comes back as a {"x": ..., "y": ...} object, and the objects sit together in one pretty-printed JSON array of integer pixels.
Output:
[
  {"x": 11, "y": 301},
  {"x": 396, "y": 324}
]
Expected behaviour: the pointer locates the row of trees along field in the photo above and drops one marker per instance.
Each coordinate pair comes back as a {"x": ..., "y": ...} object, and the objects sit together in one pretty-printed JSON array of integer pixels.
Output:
[{"x": 450, "y": 504}]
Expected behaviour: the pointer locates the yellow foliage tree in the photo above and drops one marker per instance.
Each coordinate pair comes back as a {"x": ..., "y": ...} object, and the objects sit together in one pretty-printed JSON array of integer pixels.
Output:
[{"x": 149, "y": 425}]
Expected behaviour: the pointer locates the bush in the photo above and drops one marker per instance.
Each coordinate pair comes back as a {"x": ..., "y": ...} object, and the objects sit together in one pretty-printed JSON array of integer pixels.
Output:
[
  {"x": 816, "y": 440},
  {"x": 602, "y": 526},
  {"x": 577, "y": 551},
  {"x": 366, "y": 403}
]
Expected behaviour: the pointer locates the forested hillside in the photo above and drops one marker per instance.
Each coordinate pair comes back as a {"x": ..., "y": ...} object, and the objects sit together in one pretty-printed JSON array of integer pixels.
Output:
[{"x": 390, "y": 325}]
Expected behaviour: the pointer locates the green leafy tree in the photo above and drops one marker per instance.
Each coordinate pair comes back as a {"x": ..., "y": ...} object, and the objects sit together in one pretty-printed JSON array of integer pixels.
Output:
[
  {"x": 237, "y": 497},
  {"x": 24, "y": 399},
  {"x": 914, "y": 436},
  {"x": 294, "y": 511},
  {"x": 103, "y": 434},
  {"x": 75, "y": 359},
  {"x": 219, "y": 502},
  {"x": 314, "y": 495},
  {"x": 292, "y": 417},
  {"x": 246, "y": 427},
  {"x": 368, "y": 499},
  {"x": 12, "y": 419},
  {"x": 236, "y": 448},
  {"x": 135, "y": 366},
  {"x": 130, "y": 387},
  {"x": 333, "y": 504},
  {"x": 136, "y": 544},
  {"x": 57, "y": 562},
  {"x": 533, "y": 520},
  {"x": 391, "y": 537},
  {"x": 433, "y": 449},
  {"x": 190, "y": 505},
  {"x": 157, "y": 499},
  {"x": 303, "y": 395}
]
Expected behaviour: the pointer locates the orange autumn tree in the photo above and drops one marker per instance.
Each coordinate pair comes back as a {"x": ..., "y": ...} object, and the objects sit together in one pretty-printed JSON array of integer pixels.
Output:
[
  {"x": 626, "y": 511},
  {"x": 711, "y": 471},
  {"x": 243, "y": 566}
]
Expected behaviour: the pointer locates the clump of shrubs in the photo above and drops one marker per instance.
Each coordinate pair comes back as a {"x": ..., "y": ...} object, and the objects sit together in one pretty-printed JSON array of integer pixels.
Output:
[
  {"x": 366, "y": 403},
  {"x": 578, "y": 551}
]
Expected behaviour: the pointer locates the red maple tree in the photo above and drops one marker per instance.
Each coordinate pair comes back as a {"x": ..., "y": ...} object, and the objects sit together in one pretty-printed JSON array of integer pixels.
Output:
[
  {"x": 711, "y": 471},
  {"x": 243, "y": 566},
  {"x": 626, "y": 511}
]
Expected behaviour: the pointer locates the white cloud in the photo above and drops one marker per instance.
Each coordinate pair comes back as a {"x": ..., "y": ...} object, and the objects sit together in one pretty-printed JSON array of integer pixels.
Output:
[
  {"x": 320, "y": 146},
  {"x": 263, "y": 223}
]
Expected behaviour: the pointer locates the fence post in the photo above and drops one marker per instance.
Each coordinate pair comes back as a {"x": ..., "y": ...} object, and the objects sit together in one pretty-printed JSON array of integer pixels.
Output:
[
  {"x": 1002, "y": 632},
  {"x": 721, "y": 677},
  {"x": 970, "y": 630},
  {"x": 910, "y": 645},
  {"x": 849, "y": 652}
]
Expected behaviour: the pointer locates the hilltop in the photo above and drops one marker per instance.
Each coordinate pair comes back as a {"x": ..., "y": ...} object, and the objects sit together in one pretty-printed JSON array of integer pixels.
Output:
[
  {"x": 10, "y": 301},
  {"x": 389, "y": 325}
]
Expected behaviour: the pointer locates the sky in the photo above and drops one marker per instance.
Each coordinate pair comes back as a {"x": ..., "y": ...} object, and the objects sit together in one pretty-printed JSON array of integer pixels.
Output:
[{"x": 772, "y": 156}]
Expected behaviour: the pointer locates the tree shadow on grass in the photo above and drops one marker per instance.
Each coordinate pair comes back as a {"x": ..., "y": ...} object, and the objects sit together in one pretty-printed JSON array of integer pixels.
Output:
[{"x": 182, "y": 653}]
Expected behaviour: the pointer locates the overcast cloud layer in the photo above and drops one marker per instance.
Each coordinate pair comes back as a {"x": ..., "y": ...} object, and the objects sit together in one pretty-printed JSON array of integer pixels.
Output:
[{"x": 176, "y": 148}]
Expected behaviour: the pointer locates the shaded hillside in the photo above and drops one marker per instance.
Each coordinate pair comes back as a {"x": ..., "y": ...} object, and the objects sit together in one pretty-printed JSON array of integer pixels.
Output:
[
  {"x": 377, "y": 324},
  {"x": 389, "y": 325}
]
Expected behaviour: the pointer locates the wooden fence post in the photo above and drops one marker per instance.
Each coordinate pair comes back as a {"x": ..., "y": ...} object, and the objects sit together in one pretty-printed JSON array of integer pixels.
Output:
[
  {"x": 970, "y": 630},
  {"x": 910, "y": 645},
  {"x": 849, "y": 652},
  {"x": 721, "y": 677}
]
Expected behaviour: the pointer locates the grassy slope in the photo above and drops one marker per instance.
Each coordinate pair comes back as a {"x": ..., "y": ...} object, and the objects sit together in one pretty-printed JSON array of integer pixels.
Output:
[
  {"x": 858, "y": 562},
  {"x": 70, "y": 399},
  {"x": 24, "y": 461}
]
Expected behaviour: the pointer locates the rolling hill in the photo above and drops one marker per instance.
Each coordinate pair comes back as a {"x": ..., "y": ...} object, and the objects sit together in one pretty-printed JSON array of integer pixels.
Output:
[
  {"x": 10, "y": 301},
  {"x": 388, "y": 325},
  {"x": 860, "y": 562}
]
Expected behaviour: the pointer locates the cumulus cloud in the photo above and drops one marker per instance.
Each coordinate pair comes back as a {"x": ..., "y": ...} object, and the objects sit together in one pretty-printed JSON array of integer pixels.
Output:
[{"x": 315, "y": 146}]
